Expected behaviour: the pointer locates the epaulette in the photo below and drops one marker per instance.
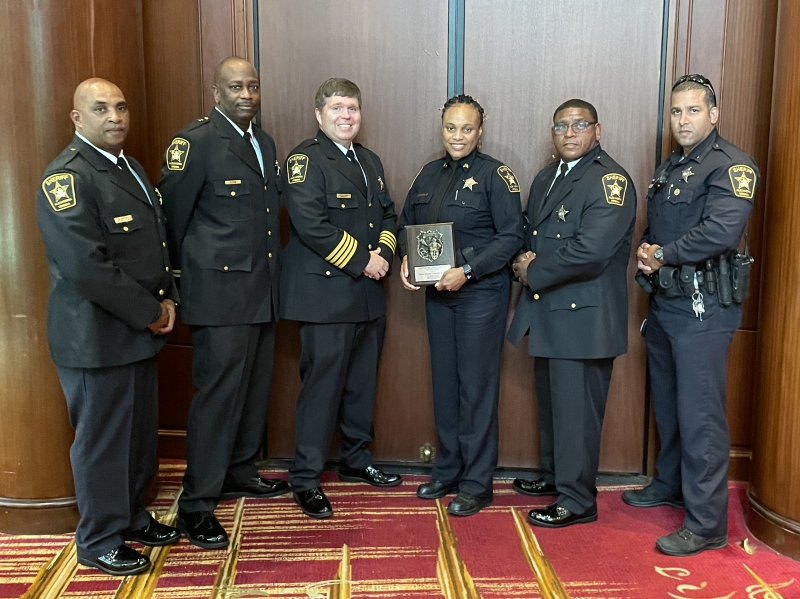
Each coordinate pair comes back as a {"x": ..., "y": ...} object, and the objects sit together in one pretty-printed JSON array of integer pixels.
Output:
[
  {"x": 197, "y": 123},
  {"x": 307, "y": 143}
]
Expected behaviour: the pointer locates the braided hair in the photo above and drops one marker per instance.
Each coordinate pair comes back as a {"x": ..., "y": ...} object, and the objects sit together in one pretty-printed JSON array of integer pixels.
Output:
[{"x": 464, "y": 99}]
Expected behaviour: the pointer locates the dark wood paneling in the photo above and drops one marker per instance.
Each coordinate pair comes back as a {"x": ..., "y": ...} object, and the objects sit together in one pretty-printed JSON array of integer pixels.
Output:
[
  {"x": 775, "y": 475},
  {"x": 46, "y": 49},
  {"x": 397, "y": 54},
  {"x": 520, "y": 93}
]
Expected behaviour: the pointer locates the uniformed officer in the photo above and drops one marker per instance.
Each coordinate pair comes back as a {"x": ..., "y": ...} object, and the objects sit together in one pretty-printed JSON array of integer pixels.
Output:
[
  {"x": 581, "y": 213},
  {"x": 220, "y": 188},
  {"x": 697, "y": 211},
  {"x": 342, "y": 241},
  {"x": 466, "y": 309},
  {"x": 112, "y": 302}
]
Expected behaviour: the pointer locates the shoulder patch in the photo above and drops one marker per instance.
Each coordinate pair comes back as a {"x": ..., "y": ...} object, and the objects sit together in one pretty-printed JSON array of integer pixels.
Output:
[
  {"x": 177, "y": 153},
  {"x": 743, "y": 181},
  {"x": 296, "y": 166},
  {"x": 60, "y": 191},
  {"x": 615, "y": 186},
  {"x": 509, "y": 178}
]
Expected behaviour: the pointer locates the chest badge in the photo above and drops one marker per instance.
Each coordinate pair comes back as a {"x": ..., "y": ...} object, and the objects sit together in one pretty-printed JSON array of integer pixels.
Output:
[
  {"x": 381, "y": 182},
  {"x": 470, "y": 183},
  {"x": 562, "y": 213},
  {"x": 686, "y": 173}
]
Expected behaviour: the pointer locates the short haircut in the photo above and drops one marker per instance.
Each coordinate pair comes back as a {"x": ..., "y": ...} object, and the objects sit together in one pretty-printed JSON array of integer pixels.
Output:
[
  {"x": 576, "y": 103},
  {"x": 709, "y": 96},
  {"x": 336, "y": 86},
  {"x": 464, "y": 99}
]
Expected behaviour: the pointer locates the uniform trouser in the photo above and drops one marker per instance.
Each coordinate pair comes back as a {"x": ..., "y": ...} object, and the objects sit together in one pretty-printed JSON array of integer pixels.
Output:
[
  {"x": 571, "y": 395},
  {"x": 688, "y": 360},
  {"x": 232, "y": 371},
  {"x": 466, "y": 331},
  {"x": 338, "y": 367},
  {"x": 114, "y": 411}
]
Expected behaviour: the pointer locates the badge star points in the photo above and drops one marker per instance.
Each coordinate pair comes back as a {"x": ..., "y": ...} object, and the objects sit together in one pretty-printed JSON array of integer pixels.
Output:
[
  {"x": 686, "y": 173},
  {"x": 470, "y": 183},
  {"x": 176, "y": 154},
  {"x": 297, "y": 169},
  {"x": 744, "y": 182},
  {"x": 60, "y": 191},
  {"x": 562, "y": 213},
  {"x": 615, "y": 190}
]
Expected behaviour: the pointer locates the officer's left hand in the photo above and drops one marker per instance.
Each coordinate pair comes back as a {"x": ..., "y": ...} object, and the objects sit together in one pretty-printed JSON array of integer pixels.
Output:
[
  {"x": 520, "y": 266},
  {"x": 377, "y": 267},
  {"x": 646, "y": 263},
  {"x": 452, "y": 280},
  {"x": 169, "y": 305}
]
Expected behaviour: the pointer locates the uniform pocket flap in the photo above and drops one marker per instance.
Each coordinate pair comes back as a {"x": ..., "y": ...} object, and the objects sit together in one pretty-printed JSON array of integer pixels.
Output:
[
  {"x": 324, "y": 270},
  {"x": 574, "y": 298},
  {"x": 342, "y": 201},
  {"x": 559, "y": 230},
  {"x": 231, "y": 188},
  {"x": 228, "y": 260},
  {"x": 124, "y": 223}
]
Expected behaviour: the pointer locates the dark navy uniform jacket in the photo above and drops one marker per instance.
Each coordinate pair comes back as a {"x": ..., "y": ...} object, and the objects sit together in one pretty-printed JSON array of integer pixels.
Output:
[
  {"x": 576, "y": 306},
  {"x": 485, "y": 212},
  {"x": 697, "y": 207},
  {"x": 334, "y": 226},
  {"x": 223, "y": 223},
  {"x": 107, "y": 257}
]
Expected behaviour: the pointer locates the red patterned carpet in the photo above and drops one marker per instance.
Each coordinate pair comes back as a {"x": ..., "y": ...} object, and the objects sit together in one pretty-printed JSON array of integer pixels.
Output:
[{"x": 387, "y": 544}]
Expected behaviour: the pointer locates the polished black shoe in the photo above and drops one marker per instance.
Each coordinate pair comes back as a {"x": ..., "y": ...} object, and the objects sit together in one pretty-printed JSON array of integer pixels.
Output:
[
  {"x": 534, "y": 488},
  {"x": 683, "y": 543},
  {"x": 555, "y": 516},
  {"x": 154, "y": 534},
  {"x": 202, "y": 529},
  {"x": 122, "y": 561},
  {"x": 465, "y": 504},
  {"x": 256, "y": 487},
  {"x": 435, "y": 489},
  {"x": 314, "y": 503},
  {"x": 370, "y": 475},
  {"x": 647, "y": 497}
]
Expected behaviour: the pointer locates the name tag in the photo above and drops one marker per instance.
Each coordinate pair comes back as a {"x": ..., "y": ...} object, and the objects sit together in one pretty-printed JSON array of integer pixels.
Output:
[
  {"x": 123, "y": 219},
  {"x": 233, "y": 182},
  {"x": 343, "y": 196}
]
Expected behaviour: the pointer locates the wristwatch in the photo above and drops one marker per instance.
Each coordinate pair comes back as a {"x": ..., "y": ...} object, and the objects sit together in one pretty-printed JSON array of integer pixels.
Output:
[
  {"x": 468, "y": 272},
  {"x": 659, "y": 255}
]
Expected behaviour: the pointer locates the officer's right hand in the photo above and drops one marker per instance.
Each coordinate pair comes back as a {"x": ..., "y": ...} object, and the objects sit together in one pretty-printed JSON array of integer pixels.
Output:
[
  {"x": 377, "y": 267},
  {"x": 166, "y": 321},
  {"x": 404, "y": 276}
]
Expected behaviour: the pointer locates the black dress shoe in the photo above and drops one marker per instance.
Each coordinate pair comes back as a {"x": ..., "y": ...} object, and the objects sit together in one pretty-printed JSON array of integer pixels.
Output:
[
  {"x": 435, "y": 489},
  {"x": 370, "y": 475},
  {"x": 647, "y": 497},
  {"x": 202, "y": 529},
  {"x": 154, "y": 534},
  {"x": 683, "y": 543},
  {"x": 534, "y": 488},
  {"x": 465, "y": 504},
  {"x": 122, "y": 561},
  {"x": 256, "y": 487},
  {"x": 555, "y": 516},
  {"x": 314, "y": 503}
]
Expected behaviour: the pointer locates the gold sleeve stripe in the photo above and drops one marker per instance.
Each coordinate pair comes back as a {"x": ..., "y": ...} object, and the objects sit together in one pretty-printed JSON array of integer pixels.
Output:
[
  {"x": 388, "y": 238},
  {"x": 344, "y": 251}
]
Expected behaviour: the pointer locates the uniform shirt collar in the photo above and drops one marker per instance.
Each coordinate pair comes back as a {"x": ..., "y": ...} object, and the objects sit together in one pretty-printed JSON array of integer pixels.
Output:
[
  {"x": 703, "y": 148},
  {"x": 343, "y": 149},
  {"x": 108, "y": 155},
  {"x": 235, "y": 126}
]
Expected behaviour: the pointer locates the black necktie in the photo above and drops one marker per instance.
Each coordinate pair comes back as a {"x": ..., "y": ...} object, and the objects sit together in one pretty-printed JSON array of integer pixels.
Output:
[
  {"x": 559, "y": 179},
  {"x": 356, "y": 170},
  {"x": 126, "y": 177},
  {"x": 252, "y": 151}
]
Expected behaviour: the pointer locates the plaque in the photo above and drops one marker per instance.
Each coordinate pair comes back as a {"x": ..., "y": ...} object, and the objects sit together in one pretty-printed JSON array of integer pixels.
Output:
[{"x": 431, "y": 252}]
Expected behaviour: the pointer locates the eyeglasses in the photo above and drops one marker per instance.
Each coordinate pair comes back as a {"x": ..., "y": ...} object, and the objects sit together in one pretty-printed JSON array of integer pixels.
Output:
[
  {"x": 697, "y": 79},
  {"x": 578, "y": 127}
]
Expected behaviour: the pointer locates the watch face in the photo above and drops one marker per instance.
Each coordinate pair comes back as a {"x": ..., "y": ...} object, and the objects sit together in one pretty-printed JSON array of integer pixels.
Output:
[{"x": 658, "y": 254}]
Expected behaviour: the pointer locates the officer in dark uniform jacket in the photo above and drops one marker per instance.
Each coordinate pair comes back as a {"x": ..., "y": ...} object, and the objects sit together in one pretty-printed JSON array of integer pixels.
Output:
[
  {"x": 697, "y": 211},
  {"x": 112, "y": 301},
  {"x": 220, "y": 188},
  {"x": 342, "y": 241},
  {"x": 466, "y": 310},
  {"x": 581, "y": 212}
]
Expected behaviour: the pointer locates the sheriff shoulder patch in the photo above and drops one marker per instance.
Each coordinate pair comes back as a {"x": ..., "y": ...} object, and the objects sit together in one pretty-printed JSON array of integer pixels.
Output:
[
  {"x": 743, "y": 180},
  {"x": 615, "y": 186},
  {"x": 177, "y": 153},
  {"x": 296, "y": 166},
  {"x": 60, "y": 191},
  {"x": 509, "y": 178}
]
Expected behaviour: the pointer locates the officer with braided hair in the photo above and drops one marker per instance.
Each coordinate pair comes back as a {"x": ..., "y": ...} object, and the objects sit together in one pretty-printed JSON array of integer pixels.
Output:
[{"x": 466, "y": 309}]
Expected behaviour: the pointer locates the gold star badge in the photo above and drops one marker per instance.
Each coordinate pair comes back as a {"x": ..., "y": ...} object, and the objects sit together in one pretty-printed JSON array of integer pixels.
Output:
[
  {"x": 743, "y": 181},
  {"x": 470, "y": 183},
  {"x": 562, "y": 213},
  {"x": 177, "y": 153},
  {"x": 686, "y": 173},
  {"x": 60, "y": 191},
  {"x": 297, "y": 165}
]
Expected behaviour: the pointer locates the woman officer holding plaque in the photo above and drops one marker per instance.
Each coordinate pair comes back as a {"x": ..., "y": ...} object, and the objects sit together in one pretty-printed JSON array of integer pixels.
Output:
[{"x": 466, "y": 307}]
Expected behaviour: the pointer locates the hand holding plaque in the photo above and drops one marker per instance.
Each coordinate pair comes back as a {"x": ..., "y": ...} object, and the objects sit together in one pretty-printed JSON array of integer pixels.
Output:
[{"x": 431, "y": 252}]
